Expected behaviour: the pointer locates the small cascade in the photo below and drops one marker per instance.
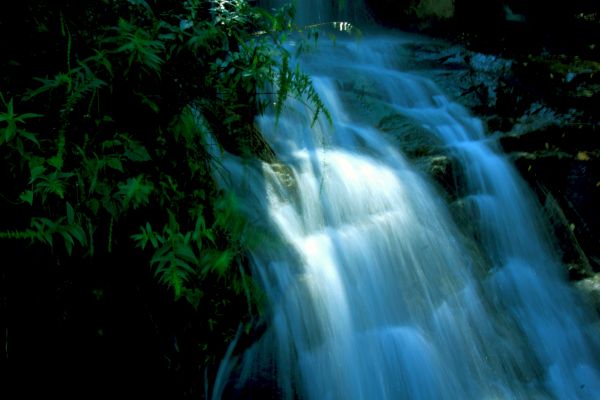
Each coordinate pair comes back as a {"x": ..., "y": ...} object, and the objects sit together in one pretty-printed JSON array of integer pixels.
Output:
[{"x": 374, "y": 291}]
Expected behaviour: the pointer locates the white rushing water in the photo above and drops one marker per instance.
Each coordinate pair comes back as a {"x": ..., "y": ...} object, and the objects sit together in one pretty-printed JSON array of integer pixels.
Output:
[{"x": 374, "y": 292}]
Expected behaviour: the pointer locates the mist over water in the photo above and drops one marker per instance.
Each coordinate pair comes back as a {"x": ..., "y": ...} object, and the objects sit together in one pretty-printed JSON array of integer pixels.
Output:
[{"x": 375, "y": 291}]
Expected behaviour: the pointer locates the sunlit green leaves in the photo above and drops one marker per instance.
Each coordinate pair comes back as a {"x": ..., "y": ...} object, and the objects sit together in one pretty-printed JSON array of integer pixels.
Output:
[
  {"x": 260, "y": 69},
  {"x": 128, "y": 116},
  {"x": 182, "y": 257}
]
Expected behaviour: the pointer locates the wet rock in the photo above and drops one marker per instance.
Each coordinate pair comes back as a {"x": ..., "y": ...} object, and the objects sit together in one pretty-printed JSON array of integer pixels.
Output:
[
  {"x": 486, "y": 72},
  {"x": 461, "y": 215},
  {"x": 477, "y": 80},
  {"x": 412, "y": 139},
  {"x": 573, "y": 188},
  {"x": 433, "y": 9},
  {"x": 543, "y": 111},
  {"x": 590, "y": 287},
  {"x": 411, "y": 13},
  {"x": 563, "y": 81},
  {"x": 441, "y": 168},
  {"x": 560, "y": 159},
  {"x": 573, "y": 256}
]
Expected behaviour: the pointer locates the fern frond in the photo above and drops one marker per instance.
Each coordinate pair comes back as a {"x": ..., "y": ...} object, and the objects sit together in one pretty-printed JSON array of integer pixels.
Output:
[
  {"x": 20, "y": 235},
  {"x": 140, "y": 45}
]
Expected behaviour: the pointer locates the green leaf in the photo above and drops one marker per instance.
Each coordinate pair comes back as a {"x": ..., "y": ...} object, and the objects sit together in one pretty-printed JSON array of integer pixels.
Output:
[
  {"x": 176, "y": 282},
  {"x": 78, "y": 233},
  {"x": 10, "y": 131},
  {"x": 70, "y": 214},
  {"x": 36, "y": 172},
  {"x": 50, "y": 84},
  {"x": 135, "y": 190},
  {"x": 184, "y": 266},
  {"x": 137, "y": 152},
  {"x": 54, "y": 182},
  {"x": 56, "y": 161},
  {"x": 29, "y": 136},
  {"x": 142, "y": 49},
  {"x": 186, "y": 253},
  {"x": 110, "y": 207},
  {"x": 109, "y": 144},
  {"x": 27, "y": 197},
  {"x": 25, "y": 116},
  {"x": 94, "y": 206},
  {"x": 208, "y": 234},
  {"x": 146, "y": 235},
  {"x": 115, "y": 163},
  {"x": 147, "y": 102},
  {"x": 68, "y": 241},
  {"x": 222, "y": 262},
  {"x": 152, "y": 235},
  {"x": 193, "y": 296}
]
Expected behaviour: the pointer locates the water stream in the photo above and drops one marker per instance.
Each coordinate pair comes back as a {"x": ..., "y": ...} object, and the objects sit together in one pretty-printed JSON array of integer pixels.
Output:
[{"x": 375, "y": 290}]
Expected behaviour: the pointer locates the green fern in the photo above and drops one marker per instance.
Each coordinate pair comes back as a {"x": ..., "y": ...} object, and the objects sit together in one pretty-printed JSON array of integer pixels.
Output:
[
  {"x": 141, "y": 46},
  {"x": 174, "y": 257},
  {"x": 12, "y": 122},
  {"x": 79, "y": 84},
  {"x": 135, "y": 191},
  {"x": 19, "y": 235},
  {"x": 214, "y": 65}
]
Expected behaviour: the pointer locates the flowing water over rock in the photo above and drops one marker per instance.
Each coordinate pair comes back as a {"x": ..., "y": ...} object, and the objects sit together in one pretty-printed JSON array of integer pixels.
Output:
[{"x": 374, "y": 291}]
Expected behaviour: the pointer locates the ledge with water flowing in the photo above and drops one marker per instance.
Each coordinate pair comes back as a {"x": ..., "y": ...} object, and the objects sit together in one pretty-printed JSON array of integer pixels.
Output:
[{"x": 377, "y": 290}]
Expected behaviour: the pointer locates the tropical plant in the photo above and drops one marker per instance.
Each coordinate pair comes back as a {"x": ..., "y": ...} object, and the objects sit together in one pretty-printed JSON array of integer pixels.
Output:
[
  {"x": 103, "y": 169},
  {"x": 105, "y": 152}
]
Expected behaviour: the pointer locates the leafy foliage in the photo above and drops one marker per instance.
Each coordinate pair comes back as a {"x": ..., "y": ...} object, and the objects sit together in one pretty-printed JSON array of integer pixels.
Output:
[
  {"x": 111, "y": 148},
  {"x": 105, "y": 150}
]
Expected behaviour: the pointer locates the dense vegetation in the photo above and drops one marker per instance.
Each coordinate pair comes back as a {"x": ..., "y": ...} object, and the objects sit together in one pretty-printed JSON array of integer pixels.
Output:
[{"x": 127, "y": 273}]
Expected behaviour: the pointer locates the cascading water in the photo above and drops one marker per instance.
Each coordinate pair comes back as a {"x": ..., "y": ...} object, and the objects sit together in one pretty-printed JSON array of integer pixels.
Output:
[
  {"x": 374, "y": 292},
  {"x": 314, "y": 12}
]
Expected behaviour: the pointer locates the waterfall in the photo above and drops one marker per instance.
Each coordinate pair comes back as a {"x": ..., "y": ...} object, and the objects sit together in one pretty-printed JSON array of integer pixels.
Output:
[
  {"x": 312, "y": 12},
  {"x": 374, "y": 291}
]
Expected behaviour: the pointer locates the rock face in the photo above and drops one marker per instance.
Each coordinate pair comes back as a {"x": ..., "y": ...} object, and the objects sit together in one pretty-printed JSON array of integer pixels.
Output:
[
  {"x": 434, "y": 8},
  {"x": 552, "y": 138},
  {"x": 543, "y": 111},
  {"x": 531, "y": 72},
  {"x": 591, "y": 287},
  {"x": 411, "y": 12}
]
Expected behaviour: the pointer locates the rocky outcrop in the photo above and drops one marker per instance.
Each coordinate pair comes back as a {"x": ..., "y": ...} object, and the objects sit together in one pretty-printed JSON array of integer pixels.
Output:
[
  {"x": 591, "y": 287},
  {"x": 543, "y": 111},
  {"x": 434, "y": 9}
]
